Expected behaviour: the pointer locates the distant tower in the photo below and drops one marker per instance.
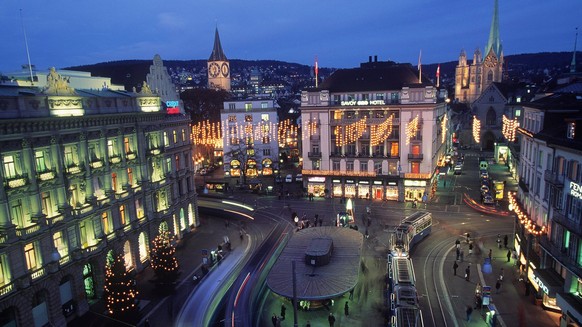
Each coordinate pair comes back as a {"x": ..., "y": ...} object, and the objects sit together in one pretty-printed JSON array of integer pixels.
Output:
[
  {"x": 471, "y": 80},
  {"x": 218, "y": 67}
]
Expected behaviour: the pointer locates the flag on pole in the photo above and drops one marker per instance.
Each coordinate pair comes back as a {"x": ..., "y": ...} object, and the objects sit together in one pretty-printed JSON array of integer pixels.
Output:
[
  {"x": 316, "y": 72},
  {"x": 438, "y": 74},
  {"x": 420, "y": 67}
]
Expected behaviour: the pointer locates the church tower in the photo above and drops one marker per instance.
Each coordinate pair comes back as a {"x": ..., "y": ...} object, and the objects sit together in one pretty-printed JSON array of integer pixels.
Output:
[
  {"x": 218, "y": 67},
  {"x": 471, "y": 80}
]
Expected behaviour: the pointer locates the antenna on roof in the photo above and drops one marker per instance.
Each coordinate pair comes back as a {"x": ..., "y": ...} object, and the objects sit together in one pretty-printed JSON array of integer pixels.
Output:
[
  {"x": 27, "y": 52},
  {"x": 573, "y": 63}
]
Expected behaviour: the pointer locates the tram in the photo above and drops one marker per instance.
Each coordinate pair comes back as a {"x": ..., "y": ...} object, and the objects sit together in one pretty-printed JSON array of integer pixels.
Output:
[{"x": 411, "y": 230}]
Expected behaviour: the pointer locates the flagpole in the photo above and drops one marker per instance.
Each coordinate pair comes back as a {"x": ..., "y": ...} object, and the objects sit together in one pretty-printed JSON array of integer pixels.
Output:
[
  {"x": 420, "y": 67},
  {"x": 438, "y": 75},
  {"x": 316, "y": 73}
]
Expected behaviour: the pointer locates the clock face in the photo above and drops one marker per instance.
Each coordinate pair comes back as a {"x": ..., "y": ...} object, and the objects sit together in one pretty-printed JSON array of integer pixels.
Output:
[
  {"x": 490, "y": 61},
  {"x": 224, "y": 69},
  {"x": 213, "y": 69}
]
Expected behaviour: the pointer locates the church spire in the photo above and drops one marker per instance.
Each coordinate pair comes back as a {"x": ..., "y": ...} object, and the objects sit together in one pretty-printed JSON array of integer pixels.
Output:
[
  {"x": 494, "y": 42},
  {"x": 217, "y": 53},
  {"x": 573, "y": 63}
]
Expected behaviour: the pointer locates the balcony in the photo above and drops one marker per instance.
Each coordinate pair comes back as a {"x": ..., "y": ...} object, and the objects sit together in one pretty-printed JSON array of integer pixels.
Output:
[
  {"x": 46, "y": 175},
  {"x": 315, "y": 137},
  {"x": 114, "y": 160},
  {"x": 554, "y": 178},
  {"x": 155, "y": 151},
  {"x": 96, "y": 164},
  {"x": 415, "y": 157},
  {"x": 314, "y": 154},
  {"x": 27, "y": 231},
  {"x": 571, "y": 225},
  {"x": 130, "y": 156},
  {"x": 16, "y": 181}
]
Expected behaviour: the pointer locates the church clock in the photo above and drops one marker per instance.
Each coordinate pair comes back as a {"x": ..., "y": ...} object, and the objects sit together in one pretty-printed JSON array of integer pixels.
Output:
[
  {"x": 490, "y": 61},
  {"x": 224, "y": 69},
  {"x": 213, "y": 70}
]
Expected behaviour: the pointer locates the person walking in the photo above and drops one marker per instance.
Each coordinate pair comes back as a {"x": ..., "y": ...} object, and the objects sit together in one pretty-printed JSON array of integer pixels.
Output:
[
  {"x": 458, "y": 253},
  {"x": 274, "y": 319},
  {"x": 347, "y": 309},
  {"x": 455, "y": 266},
  {"x": 458, "y": 243},
  {"x": 470, "y": 248},
  {"x": 469, "y": 311},
  {"x": 462, "y": 255},
  {"x": 283, "y": 309},
  {"x": 505, "y": 240},
  {"x": 331, "y": 319},
  {"x": 468, "y": 238},
  {"x": 508, "y": 255},
  {"x": 497, "y": 286},
  {"x": 490, "y": 254},
  {"x": 499, "y": 241},
  {"x": 468, "y": 273},
  {"x": 501, "y": 275}
]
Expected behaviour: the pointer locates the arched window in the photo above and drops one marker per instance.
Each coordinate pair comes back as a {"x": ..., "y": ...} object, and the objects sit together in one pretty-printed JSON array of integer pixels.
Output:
[
  {"x": 491, "y": 118},
  {"x": 39, "y": 308},
  {"x": 127, "y": 255},
  {"x": 143, "y": 247},
  {"x": 490, "y": 76}
]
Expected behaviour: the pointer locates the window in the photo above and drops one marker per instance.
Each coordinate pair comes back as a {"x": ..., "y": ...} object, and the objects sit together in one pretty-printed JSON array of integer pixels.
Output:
[
  {"x": 166, "y": 140},
  {"x": 379, "y": 96},
  {"x": 315, "y": 148},
  {"x": 105, "y": 223},
  {"x": 114, "y": 182},
  {"x": 130, "y": 176},
  {"x": 69, "y": 156},
  {"x": 248, "y": 106},
  {"x": 183, "y": 135},
  {"x": 415, "y": 167},
  {"x": 177, "y": 159},
  {"x": 232, "y": 106},
  {"x": 16, "y": 213},
  {"x": 40, "y": 163},
  {"x": 175, "y": 136},
  {"x": 264, "y": 105},
  {"x": 111, "y": 148},
  {"x": 168, "y": 165},
  {"x": 9, "y": 167},
  {"x": 363, "y": 166},
  {"x": 351, "y": 149},
  {"x": 126, "y": 145},
  {"x": 378, "y": 168},
  {"x": 266, "y": 152},
  {"x": 139, "y": 208},
  {"x": 46, "y": 203},
  {"x": 122, "y": 217},
  {"x": 249, "y": 118},
  {"x": 264, "y": 117},
  {"x": 394, "y": 97},
  {"x": 60, "y": 243},
  {"x": 30, "y": 256},
  {"x": 232, "y": 118},
  {"x": 335, "y": 165},
  {"x": 394, "y": 149},
  {"x": 4, "y": 271},
  {"x": 350, "y": 166}
]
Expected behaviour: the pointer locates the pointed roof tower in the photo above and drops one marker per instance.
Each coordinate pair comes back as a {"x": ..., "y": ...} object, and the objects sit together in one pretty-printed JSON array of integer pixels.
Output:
[
  {"x": 494, "y": 42},
  {"x": 217, "y": 53}
]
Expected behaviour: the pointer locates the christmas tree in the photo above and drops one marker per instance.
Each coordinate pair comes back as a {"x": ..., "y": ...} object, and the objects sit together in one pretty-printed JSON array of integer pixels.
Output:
[
  {"x": 163, "y": 261},
  {"x": 120, "y": 291}
]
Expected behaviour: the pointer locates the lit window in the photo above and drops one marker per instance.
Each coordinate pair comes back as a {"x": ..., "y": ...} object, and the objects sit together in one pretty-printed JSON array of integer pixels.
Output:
[
  {"x": 46, "y": 203},
  {"x": 183, "y": 135},
  {"x": 9, "y": 167},
  {"x": 232, "y": 118},
  {"x": 122, "y": 215},
  {"x": 126, "y": 145},
  {"x": 114, "y": 181},
  {"x": 249, "y": 118},
  {"x": 177, "y": 162},
  {"x": 111, "y": 148},
  {"x": 105, "y": 223},
  {"x": 60, "y": 243},
  {"x": 30, "y": 256},
  {"x": 166, "y": 139},
  {"x": 4, "y": 271},
  {"x": 130, "y": 176},
  {"x": 175, "y": 135},
  {"x": 264, "y": 105},
  {"x": 40, "y": 163},
  {"x": 265, "y": 117},
  {"x": 248, "y": 106}
]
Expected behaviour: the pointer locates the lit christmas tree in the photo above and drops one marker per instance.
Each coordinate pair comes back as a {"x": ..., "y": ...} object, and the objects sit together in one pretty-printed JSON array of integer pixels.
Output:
[
  {"x": 120, "y": 291},
  {"x": 163, "y": 261}
]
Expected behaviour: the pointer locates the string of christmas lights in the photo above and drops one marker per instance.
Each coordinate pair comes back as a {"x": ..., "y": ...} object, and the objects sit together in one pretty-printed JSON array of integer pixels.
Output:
[
  {"x": 524, "y": 220},
  {"x": 411, "y": 129},
  {"x": 350, "y": 133},
  {"x": 444, "y": 123},
  {"x": 162, "y": 259},
  {"x": 379, "y": 133},
  {"x": 509, "y": 128},
  {"x": 120, "y": 291},
  {"x": 476, "y": 129}
]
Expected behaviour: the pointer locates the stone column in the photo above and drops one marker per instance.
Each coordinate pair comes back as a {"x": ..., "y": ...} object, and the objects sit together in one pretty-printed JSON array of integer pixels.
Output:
[
  {"x": 34, "y": 199},
  {"x": 57, "y": 159}
]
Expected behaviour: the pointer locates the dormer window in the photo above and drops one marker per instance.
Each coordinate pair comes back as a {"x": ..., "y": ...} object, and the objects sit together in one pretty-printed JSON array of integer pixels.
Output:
[{"x": 571, "y": 130}]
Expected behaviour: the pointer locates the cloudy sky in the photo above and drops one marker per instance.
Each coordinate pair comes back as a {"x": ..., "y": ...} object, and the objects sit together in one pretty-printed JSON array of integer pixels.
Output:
[{"x": 341, "y": 33}]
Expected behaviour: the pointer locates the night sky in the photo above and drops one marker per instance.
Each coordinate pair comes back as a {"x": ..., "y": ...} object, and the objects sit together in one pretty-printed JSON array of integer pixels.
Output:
[{"x": 340, "y": 33}]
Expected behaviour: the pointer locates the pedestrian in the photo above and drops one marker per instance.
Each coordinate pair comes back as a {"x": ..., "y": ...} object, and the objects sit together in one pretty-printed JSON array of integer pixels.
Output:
[
  {"x": 505, "y": 239},
  {"x": 499, "y": 241},
  {"x": 347, "y": 309},
  {"x": 462, "y": 255},
  {"x": 283, "y": 309},
  {"x": 469, "y": 311},
  {"x": 241, "y": 234},
  {"x": 468, "y": 237},
  {"x": 490, "y": 254},
  {"x": 458, "y": 253},
  {"x": 455, "y": 266},
  {"x": 331, "y": 319},
  {"x": 508, "y": 255},
  {"x": 470, "y": 248},
  {"x": 274, "y": 319},
  {"x": 468, "y": 273},
  {"x": 458, "y": 243},
  {"x": 497, "y": 286},
  {"x": 501, "y": 275}
]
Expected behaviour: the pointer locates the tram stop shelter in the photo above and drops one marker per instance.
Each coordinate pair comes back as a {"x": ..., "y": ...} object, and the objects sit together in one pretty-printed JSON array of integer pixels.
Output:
[{"x": 327, "y": 264}]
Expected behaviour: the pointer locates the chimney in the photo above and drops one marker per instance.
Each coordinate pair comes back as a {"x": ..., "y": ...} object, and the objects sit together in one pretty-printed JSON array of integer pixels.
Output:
[
  {"x": 369, "y": 58},
  {"x": 375, "y": 58}
]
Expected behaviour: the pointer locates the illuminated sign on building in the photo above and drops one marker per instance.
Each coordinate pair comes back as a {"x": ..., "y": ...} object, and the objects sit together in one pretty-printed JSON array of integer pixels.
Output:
[
  {"x": 362, "y": 103},
  {"x": 541, "y": 284},
  {"x": 173, "y": 107},
  {"x": 317, "y": 179},
  {"x": 576, "y": 190}
]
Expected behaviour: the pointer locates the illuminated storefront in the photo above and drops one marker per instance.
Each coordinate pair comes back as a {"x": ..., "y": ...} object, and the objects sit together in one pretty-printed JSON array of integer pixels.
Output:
[
  {"x": 251, "y": 168},
  {"x": 337, "y": 189},
  {"x": 414, "y": 189},
  {"x": 377, "y": 190},
  {"x": 363, "y": 189},
  {"x": 267, "y": 167},
  {"x": 350, "y": 188},
  {"x": 316, "y": 186},
  {"x": 392, "y": 191},
  {"x": 547, "y": 283}
]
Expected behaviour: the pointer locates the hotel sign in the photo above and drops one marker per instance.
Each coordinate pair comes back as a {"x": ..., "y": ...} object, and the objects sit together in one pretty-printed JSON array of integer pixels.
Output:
[
  {"x": 576, "y": 190},
  {"x": 363, "y": 103}
]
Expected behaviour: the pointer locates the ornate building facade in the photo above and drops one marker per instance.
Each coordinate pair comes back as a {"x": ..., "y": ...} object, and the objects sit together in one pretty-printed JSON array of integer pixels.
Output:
[
  {"x": 85, "y": 174},
  {"x": 373, "y": 132},
  {"x": 218, "y": 67},
  {"x": 472, "y": 79}
]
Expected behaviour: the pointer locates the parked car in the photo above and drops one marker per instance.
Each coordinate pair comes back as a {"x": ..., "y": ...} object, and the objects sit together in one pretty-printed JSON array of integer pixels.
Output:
[
  {"x": 299, "y": 178},
  {"x": 289, "y": 178},
  {"x": 488, "y": 199},
  {"x": 278, "y": 179},
  {"x": 458, "y": 169}
]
